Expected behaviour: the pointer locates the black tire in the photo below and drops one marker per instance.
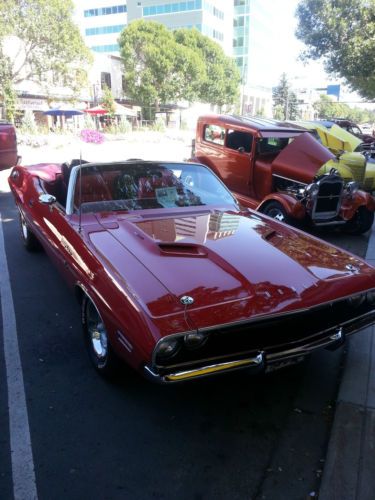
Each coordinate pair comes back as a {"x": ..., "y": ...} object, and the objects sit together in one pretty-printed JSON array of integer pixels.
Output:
[
  {"x": 275, "y": 210},
  {"x": 361, "y": 222},
  {"x": 30, "y": 241},
  {"x": 97, "y": 342}
]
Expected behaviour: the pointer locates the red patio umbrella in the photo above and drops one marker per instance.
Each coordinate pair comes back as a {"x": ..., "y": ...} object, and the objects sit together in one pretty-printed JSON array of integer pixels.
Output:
[{"x": 97, "y": 110}]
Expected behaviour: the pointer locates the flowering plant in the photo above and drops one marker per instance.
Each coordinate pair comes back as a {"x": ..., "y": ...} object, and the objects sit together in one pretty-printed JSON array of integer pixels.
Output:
[{"x": 89, "y": 135}]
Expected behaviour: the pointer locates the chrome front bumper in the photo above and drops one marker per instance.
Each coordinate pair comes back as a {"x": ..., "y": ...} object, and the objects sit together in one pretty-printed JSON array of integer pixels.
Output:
[{"x": 263, "y": 361}]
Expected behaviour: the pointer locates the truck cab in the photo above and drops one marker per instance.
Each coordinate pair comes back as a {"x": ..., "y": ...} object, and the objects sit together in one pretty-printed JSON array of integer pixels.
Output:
[
  {"x": 8, "y": 145},
  {"x": 282, "y": 171}
]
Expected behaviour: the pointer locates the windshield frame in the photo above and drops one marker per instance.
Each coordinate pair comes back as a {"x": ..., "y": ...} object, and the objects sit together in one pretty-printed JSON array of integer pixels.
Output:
[{"x": 75, "y": 173}]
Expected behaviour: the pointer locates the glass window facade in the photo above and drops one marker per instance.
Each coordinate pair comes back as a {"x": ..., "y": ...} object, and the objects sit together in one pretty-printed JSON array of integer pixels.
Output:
[
  {"x": 106, "y": 48},
  {"x": 105, "y": 11},
  {"x": 155, "y": 10},
  {"x": 104, "y": 30}
]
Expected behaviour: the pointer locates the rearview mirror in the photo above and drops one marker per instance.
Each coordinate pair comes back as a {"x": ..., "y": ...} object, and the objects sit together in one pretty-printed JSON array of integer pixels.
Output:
[{"x": 47, "y": 199}]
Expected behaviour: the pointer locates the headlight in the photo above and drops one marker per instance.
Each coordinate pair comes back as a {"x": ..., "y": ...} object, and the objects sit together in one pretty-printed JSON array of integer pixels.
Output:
[
  {"x": 312, "y": 190},
  {"x": 352, "y": 187},
  {"x": 194, "y": 340},
  {"x": 370, "y": 296},
  {"x": 356, "y": 300},
  {"x": 167, "y": 348}
]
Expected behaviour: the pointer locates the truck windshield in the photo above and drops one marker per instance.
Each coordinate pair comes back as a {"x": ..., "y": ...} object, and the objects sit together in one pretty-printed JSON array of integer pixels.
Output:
[{"x": 273, "y": 144}]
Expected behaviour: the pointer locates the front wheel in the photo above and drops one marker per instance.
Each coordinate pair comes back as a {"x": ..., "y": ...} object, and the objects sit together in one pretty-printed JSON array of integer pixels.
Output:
[
  {"x": 360, "y": 223},
  {"x": 275, "y": 210},
  {"x": 30, "y": 241},
  {"x": 96, "y": 339}
]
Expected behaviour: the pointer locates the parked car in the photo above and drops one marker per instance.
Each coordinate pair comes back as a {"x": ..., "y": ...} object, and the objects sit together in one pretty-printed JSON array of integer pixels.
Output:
[
  {"x": 8, "y": 145},
  {"x": 349, "y": 130},
  {"x": 354, "y": 164},
  {"x": 176, "y": 280},
  {"x": 282, "y": 171},
  {"x": 353, "y": 128}
]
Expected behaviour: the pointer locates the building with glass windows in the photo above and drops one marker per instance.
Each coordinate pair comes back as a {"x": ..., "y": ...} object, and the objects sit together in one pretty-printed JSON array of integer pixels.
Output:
[
  {"x": 101, "y": 22},
  {"x": 213, "y": 18},
  {"x": 241, "y": 27}
]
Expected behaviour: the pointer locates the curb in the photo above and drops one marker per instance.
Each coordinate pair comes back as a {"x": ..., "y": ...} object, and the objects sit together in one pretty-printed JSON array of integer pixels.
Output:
[{"x": 349, "y": 472}]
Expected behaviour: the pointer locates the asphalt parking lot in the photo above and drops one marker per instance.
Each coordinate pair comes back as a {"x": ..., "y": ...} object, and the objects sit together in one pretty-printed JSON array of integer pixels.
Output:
[{"x": 232, "y": 437}]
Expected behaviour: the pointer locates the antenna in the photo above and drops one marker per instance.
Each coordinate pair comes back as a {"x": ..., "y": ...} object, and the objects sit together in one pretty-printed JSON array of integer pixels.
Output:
[{"x": 80, "y": 192}]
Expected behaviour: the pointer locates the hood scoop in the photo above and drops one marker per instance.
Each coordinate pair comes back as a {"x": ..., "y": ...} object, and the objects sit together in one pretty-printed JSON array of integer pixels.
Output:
[{"x": 182, "y": 250}]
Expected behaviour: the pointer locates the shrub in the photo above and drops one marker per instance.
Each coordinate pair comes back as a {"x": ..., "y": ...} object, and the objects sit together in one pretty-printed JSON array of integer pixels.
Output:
[{"x": 89, "y": 135}]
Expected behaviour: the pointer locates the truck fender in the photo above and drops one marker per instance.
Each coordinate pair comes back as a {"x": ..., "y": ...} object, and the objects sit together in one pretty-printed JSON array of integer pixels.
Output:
[{"x": 292, "y": 207}]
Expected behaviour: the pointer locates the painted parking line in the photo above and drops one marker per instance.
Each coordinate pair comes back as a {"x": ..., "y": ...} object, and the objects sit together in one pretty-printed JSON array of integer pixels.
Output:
[{"x": 24, "y": 485}]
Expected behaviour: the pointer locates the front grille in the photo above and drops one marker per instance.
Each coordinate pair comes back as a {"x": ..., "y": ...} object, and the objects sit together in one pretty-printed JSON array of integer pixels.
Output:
[
  {"x": 267, "y": 335},
  {"x": 328, "y": 201},
  {"x": 369, "y": 184}
]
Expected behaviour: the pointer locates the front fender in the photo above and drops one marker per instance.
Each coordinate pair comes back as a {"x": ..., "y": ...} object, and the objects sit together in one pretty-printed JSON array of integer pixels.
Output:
[
  {"x": 291, "y": 205},
  {"x": 351, "y": 204}
]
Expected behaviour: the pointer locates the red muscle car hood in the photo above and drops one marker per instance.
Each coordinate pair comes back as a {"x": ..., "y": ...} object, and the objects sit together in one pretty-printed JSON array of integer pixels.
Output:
[
  {"x": 222, "y": 257},
  {"x": 301, "y": 159}
]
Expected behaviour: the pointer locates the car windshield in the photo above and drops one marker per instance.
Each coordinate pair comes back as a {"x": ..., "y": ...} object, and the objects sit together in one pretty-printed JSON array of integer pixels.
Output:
[
  {"x": 273, "y": 144},
  {"x": 143, "y": 185}
]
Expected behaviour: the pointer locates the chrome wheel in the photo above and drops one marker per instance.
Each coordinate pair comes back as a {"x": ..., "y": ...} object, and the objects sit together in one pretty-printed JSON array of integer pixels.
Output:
[
  {"x": 97, "y": 340},
  {"x": 97, "y": 332},
  {"x": 29, "y": 240},
  {"x": 275, "y": 210},
  {"x": 277, "y": 214},
  {"x": 25, "y": 231}
]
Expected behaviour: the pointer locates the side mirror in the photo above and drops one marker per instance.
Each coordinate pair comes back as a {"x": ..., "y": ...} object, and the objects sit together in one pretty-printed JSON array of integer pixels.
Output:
[{"x": 47, "y": 199}]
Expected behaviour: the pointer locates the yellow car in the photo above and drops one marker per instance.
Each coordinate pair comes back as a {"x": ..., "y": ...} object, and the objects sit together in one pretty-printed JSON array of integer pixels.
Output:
[{"x": 351, "y": 164}]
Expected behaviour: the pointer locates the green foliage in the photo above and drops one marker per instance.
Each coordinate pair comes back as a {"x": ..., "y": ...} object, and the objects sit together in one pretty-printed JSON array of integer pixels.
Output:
[
  {"x": 285, "y": 105},
  {"x": 28, "y": 125},
  {"x": 342, "y": 33},
  {"x": 158, "y": 125},
  {"x": 157, "y": 69},
  {"x": 161, "y": 66},
  {"x": 50, "y": 43},
  {"x": 88, "y": 121},
  {"x": 108, "y": 101},
  {"x": 327, "y": 109},
  {"x": 220, "y": 82}
]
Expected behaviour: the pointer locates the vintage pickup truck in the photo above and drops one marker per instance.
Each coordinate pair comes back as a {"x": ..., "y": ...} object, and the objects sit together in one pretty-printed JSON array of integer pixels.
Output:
[
  {"x": 8, "y": 145},
  {"x": 282, "y": 171}
]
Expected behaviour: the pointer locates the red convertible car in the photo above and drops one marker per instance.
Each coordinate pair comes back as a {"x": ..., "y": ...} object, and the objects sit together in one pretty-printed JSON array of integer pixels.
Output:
[{"x": 178, "y": 282}]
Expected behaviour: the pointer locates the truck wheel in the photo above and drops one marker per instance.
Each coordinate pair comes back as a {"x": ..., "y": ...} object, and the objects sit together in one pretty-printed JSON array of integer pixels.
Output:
[
  {"x": 360, "y": 223},
  {"x": 275, "y": 210},
  {"x": 30, "y": 241}
]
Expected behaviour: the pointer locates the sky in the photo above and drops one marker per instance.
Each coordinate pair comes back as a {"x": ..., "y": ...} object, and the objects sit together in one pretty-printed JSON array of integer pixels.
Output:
[{"x": 285, "y": 49}]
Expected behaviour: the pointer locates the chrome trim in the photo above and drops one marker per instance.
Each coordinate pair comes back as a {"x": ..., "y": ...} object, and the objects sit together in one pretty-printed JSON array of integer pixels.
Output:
[
  {"x": 291, "y": 180},
  {"x": 334, "y": 223},
  {"x": 124, "y": 341},
  {"x": 330, "y": 214},
  {"x": 205, "y": 371},
  {"x": 71, "y": 188},
  {"x": 280, "y": 315},
  {"x": 335, "y": 337}
]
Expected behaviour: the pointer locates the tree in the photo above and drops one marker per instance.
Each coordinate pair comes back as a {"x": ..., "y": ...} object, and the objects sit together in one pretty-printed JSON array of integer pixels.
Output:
[
  {"x": 327, "y": 109},
  {"x": 163, "y": 66},
  {"x": 45, "y": 43},
  {"x": 342, "y": 33},
  {"x": 108, "y": 101},
  {"x": 156, "y": 68},
  {"x": 285, "y": 104},
  {"x": 221, "y": 80}
]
